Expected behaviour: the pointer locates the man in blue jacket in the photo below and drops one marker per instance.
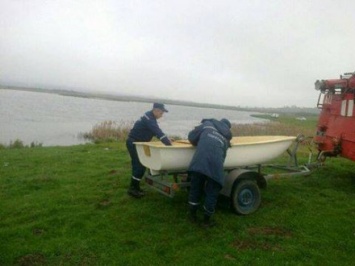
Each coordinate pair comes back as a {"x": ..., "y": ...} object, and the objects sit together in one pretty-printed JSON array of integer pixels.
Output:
[
  {"x": 144, "y": 129},
  {"x": 212, "y": 138}
]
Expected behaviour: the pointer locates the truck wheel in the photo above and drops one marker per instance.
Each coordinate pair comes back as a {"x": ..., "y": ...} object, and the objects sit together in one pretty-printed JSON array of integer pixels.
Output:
[{"x": 246, "y": 197}]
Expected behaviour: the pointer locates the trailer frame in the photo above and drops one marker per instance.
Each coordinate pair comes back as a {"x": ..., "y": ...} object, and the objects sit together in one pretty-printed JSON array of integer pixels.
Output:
[{"x": 242, "y": 184}]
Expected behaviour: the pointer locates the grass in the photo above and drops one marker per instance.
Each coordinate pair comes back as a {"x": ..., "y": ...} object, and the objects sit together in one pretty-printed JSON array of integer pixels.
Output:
[{"x": 69, "y": 206}]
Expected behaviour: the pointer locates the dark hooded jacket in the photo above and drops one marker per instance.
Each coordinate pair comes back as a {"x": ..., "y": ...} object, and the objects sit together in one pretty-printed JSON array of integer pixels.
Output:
[{"x": 212, "y": 139}]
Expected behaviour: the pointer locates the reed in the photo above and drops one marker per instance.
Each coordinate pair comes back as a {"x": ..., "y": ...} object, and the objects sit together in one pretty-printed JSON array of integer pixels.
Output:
[
  {"x": 285, "y": 125},
  {"x": 272, "y": 128},
  {"x": 108, "y": 130}
]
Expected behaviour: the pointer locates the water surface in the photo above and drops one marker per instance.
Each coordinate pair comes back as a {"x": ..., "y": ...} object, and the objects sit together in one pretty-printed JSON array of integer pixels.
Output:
[{"x": 53, "y": 119}]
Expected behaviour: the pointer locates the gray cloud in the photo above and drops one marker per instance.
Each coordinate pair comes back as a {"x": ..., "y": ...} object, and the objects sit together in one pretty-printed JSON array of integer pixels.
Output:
[{"x": 247, "y": 53}]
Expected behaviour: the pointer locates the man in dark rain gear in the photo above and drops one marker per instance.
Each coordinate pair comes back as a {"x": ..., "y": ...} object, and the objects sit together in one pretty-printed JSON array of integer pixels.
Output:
[
  {"x": 212, "y": 139},
  {"x": 144, "y": 129}
]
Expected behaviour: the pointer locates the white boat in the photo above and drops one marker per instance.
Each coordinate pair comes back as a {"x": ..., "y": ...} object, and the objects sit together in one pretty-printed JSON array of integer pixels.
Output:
[{"x": 245, "y": 151}]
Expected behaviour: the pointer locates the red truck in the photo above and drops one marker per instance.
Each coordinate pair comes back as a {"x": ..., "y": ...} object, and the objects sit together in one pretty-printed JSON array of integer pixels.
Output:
[{"x": 336, "y": 125}]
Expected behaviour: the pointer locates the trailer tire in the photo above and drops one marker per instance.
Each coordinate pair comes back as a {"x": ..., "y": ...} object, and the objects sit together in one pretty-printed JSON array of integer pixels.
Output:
[{"x": 246, "y": 197}]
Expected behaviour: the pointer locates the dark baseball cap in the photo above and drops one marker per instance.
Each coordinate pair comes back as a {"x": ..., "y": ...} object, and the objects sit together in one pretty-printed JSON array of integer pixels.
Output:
[{"x": 160, "y": 106}]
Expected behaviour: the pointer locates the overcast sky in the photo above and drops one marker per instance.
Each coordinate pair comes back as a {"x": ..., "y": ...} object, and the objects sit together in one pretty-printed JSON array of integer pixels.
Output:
[{"x": 242, "y": 53}]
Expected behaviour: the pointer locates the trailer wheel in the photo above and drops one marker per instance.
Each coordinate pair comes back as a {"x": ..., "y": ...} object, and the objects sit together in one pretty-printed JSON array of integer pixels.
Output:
[{"x": 246, "y": 197}]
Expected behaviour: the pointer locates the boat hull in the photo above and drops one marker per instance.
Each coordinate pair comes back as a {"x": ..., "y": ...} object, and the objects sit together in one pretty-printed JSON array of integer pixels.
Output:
[{"x": 245, "y": 151}]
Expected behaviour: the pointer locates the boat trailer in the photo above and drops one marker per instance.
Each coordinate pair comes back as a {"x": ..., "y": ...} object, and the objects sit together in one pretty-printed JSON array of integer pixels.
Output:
[{"x": 242, "y": 184}]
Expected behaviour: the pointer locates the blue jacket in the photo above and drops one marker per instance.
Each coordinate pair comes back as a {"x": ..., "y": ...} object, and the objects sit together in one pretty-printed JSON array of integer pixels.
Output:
[
  {"x": 212, "y": 139},
  {"x": 146, "y": 128}
]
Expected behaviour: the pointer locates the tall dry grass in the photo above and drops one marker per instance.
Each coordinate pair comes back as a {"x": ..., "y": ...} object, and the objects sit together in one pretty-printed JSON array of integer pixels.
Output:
[
  {"x": 115, "y": 131},
  {"x": 109, "y": 131},
  {"x": 271, "y": 128}
]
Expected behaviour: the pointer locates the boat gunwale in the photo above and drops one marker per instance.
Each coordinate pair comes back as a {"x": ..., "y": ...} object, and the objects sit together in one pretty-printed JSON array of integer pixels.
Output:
[{"x": 185, "y": 145}]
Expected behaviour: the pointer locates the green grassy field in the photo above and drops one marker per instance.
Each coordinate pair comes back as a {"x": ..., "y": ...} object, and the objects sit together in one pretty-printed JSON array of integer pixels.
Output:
[{"x": 69, "y": 206}]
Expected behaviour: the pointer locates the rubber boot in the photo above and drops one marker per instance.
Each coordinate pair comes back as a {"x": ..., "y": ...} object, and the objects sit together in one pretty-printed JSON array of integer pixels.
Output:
[
  {"x": 207, "y": 222},
  {"x": 133, "y": 189},
  {"x": 141, "y": 191},
  {"x": 193, "y": 213}
]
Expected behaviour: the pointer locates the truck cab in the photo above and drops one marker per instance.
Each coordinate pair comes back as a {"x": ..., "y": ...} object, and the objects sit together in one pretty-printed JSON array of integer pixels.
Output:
[{"x": 336, "y": 125}]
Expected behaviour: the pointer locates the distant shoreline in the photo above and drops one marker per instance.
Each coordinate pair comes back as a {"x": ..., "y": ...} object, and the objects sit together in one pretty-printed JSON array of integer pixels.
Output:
[{"x": 131, "y": 98}]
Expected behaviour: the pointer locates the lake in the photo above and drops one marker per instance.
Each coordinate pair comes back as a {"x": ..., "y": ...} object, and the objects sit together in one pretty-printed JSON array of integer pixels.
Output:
[{"x": 56, "y": 120}]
